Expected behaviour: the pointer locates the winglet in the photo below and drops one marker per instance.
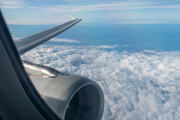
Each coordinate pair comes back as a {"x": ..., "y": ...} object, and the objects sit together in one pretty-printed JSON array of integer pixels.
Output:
[{"x": 72, "y": 17}]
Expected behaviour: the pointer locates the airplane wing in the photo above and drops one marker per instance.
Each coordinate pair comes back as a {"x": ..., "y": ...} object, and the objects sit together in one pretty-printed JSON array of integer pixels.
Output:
[{"x": 27, "y": 43}]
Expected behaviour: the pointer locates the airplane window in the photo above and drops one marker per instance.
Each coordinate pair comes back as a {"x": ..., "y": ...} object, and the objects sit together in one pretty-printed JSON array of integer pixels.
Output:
[{"x": 129, "y": 48}]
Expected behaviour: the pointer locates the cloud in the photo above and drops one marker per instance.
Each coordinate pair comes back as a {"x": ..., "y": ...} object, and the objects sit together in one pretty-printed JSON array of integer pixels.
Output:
[
  {"x": 11, "y": 4},
  {"x": 121, "y": 12},
  {"x": 63, "y": 40},
  {"x": 139, "y": 86},
  {"x": 108, "y": 46},
  {"x": 109, "y": 6}
]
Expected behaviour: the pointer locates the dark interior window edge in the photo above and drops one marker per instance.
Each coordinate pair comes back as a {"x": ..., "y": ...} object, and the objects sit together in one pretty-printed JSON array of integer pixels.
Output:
[{"x": 21, "y": 73}]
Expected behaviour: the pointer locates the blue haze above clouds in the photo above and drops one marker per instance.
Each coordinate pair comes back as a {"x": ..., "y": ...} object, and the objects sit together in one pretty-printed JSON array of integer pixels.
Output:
[{"x": 131, "y": 49}]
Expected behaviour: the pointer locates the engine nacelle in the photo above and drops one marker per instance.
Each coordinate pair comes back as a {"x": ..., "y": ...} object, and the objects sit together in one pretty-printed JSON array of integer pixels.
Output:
[{"x": 71, "y": 97}]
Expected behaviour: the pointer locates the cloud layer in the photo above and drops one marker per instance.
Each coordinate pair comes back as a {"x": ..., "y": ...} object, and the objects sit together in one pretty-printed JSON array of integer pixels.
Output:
[
  {"x": 136, "y": 86},
  {"x": 64, "y": 40},
  {"x": 115, "y": 5},
  {"x": 11, "y": 4},
  {"x": 123, "y": 12}
]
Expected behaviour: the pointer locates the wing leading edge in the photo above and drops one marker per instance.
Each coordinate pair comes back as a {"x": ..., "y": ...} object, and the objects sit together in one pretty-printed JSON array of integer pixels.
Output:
[{"x": 27, "y": 43}]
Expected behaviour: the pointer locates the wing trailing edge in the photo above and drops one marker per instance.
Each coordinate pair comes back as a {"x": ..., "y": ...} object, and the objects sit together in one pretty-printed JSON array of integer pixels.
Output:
[{"x": 27, "y": 43}]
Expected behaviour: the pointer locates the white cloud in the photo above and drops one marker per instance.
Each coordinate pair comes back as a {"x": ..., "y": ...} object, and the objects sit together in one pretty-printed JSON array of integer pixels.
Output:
[
  {"x": 63, "y": 40},
  {"x": 37, "y": 13},
  {"x": 136, "y": 85},
  {"x": 11, "y": 4},
  {"x": 108, "y": 46},
  {"x": 109, "y": 6}
]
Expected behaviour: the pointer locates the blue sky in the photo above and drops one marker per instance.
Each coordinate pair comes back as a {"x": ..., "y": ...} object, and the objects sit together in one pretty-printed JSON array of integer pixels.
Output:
[{"x": 91, "y": 11}]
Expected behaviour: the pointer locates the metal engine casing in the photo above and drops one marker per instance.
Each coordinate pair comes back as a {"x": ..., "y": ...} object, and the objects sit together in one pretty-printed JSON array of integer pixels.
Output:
[{"x": 71, "y": 97}]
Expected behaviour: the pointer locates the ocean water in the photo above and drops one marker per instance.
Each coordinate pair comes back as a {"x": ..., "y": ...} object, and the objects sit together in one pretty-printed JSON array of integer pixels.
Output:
[{"x": 137, "y": 66}]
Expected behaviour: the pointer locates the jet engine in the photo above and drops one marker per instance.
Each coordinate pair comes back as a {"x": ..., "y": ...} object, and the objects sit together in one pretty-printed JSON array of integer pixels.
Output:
[{"x": 70, "y": 96}]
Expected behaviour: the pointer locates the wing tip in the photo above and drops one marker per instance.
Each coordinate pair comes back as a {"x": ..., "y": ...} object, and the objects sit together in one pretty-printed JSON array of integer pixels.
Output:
[{"x": 73, "y": 18}]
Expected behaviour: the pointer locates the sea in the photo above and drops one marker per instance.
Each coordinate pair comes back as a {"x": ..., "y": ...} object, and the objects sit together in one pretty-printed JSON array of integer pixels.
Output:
[{"x": 136, "y": 65}]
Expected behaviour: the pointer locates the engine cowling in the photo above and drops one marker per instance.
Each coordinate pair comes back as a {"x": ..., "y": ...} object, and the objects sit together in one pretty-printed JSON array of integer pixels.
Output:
[{"x": 70, "y": 96}]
